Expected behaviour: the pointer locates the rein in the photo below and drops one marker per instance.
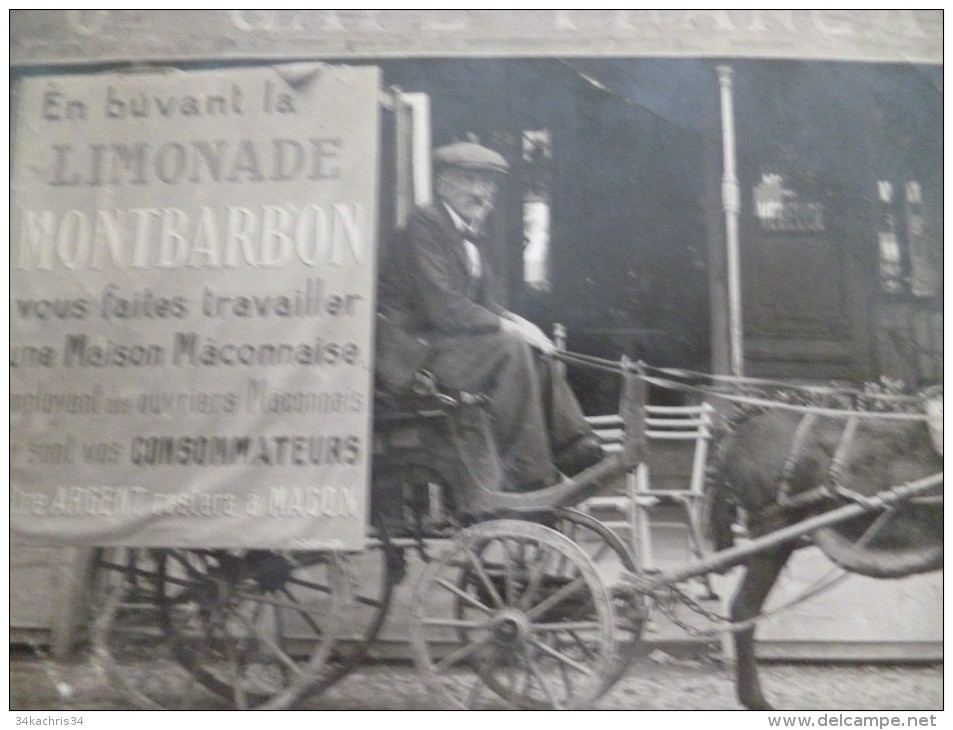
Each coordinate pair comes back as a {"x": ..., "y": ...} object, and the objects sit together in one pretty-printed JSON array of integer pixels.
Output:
[{"x": 676, "y": 379}]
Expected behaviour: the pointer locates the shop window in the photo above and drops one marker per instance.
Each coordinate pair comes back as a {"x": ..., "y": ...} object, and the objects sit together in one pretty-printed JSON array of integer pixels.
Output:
[
  {"x": 537, "y": 157},
  {"x": 926, "y": 265},
  {"x": 891, "y": 260},
  {"x": 910, "y": 257}
]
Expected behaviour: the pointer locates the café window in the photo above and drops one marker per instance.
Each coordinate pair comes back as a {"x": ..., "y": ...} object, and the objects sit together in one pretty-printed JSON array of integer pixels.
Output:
[
  {"x": 888, "y": 243},
  {"x": 537, "y": 172},
  {"x": 909, "y": 255},
  {"x": 782, "y": 209}
]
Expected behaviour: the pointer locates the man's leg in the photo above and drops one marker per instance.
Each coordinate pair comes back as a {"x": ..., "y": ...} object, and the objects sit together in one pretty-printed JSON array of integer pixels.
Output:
[
  {"x": 574, "y": 444},
  {"x": 566, "y": 421},
  {"x": 500, "y": 365}
]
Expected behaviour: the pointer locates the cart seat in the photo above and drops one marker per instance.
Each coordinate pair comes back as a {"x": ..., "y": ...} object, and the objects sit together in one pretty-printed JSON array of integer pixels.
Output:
[
  {"x": 410, "y": 422},
  {"x": 422, "y": 398}
]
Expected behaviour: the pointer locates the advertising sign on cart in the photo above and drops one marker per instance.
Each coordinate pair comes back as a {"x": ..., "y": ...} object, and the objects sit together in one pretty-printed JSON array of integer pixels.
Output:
[{"x": 192, "y": 270}]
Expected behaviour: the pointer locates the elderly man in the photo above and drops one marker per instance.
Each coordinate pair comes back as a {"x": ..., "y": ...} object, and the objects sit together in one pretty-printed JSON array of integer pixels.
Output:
[{"x": 436, "y": 284}]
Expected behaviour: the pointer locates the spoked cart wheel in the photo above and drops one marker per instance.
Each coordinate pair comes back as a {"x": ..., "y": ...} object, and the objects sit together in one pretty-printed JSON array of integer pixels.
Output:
[
  {"x": 613, "y": 560},
  {"x": 513, "y": 614},
  {"x": 371, "y": 576},
  {"x": 256, "y": 627},
  {"x": 128, "y": 635}
]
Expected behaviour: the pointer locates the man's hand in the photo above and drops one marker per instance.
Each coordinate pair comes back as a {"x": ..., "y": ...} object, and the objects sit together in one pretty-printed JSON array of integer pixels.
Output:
[{"x": 533, "y": 335}]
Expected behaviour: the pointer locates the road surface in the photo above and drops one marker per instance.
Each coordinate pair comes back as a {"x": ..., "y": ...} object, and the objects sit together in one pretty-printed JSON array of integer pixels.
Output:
[{"x": 662, "y": 683}]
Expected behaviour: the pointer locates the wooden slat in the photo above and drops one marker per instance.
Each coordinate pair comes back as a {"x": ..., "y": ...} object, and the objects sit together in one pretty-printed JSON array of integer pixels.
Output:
[
  {"x": 673, "y": 435},
  {"x": 676, "y": 409},
  {"x": 681, "y": 423},
  {"x": 610, "y": 420},
  {"x": 610, "y": 435}
]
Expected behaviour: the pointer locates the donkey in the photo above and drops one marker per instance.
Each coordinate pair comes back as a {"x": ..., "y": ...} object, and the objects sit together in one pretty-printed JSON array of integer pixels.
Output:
[{"x": 783, "y": 466}]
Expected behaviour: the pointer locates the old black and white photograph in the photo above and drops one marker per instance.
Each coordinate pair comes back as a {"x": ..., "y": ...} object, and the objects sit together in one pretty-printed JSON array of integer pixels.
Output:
[{"x": 435, "y": 360}]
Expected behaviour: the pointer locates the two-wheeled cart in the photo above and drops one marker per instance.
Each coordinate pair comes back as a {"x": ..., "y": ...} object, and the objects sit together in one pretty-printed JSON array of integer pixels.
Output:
[
  {"x": 519, "y": 600},
  {"x": 508, "y": 607}
]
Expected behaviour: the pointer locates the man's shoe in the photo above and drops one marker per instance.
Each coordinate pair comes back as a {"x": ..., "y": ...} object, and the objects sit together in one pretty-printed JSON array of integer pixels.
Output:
[{"x": 579, "y": 455}]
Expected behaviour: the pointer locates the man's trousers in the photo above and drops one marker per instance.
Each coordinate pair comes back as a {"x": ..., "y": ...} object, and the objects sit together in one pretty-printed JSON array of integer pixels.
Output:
[{"x": 533, "y": 409}]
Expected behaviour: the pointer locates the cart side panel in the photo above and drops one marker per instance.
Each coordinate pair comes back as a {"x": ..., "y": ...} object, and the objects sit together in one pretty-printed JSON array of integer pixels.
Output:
[{"x": 193, "y": 259}]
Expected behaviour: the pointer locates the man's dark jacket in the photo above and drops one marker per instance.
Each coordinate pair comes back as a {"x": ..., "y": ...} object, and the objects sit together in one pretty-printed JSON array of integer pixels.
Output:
[
  {"x": 426, "y": 289},
  {"x": 426, "y": 283}
]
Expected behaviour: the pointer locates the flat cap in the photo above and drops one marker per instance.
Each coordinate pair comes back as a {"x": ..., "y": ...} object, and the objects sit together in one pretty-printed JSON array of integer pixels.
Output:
[{"x": 470, "y": 156}]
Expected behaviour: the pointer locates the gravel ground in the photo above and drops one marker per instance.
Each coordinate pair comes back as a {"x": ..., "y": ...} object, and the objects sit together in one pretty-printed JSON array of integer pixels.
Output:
[{"x": 670, "y": 684}]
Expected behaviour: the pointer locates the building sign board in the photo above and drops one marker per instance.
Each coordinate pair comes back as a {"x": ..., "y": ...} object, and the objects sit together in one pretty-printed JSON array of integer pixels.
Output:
[
  {"x": 90, "y": 36},
  {"x": 780, "y": 209},
  {"x": 192, "y": 296}
]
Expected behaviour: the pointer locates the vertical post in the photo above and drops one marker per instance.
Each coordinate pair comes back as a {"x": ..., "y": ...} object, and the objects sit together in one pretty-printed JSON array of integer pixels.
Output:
[
  {"x": 714, "y": 225},
  {"x": 412, "y": 132},
  {"x": 420, "y": 147},
  {"x": 73, "y": 576},
  {"x": 559, "y": 339},
  {"x": 731, "y": 201},
  {"x": 632, "y": 410},
  {"x": 403, "y": 190}
]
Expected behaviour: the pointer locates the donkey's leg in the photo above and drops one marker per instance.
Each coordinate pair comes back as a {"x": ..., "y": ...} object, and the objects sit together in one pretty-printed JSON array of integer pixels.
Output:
[{"x": 761, "y": 573}]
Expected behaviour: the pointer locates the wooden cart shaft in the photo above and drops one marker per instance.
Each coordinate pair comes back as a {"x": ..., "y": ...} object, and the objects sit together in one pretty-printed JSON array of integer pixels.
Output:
[{"x": 739, "y": 554}]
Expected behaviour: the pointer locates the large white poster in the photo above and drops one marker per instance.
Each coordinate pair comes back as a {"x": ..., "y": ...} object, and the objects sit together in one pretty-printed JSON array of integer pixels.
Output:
[{"x": 192, "y": 268}]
